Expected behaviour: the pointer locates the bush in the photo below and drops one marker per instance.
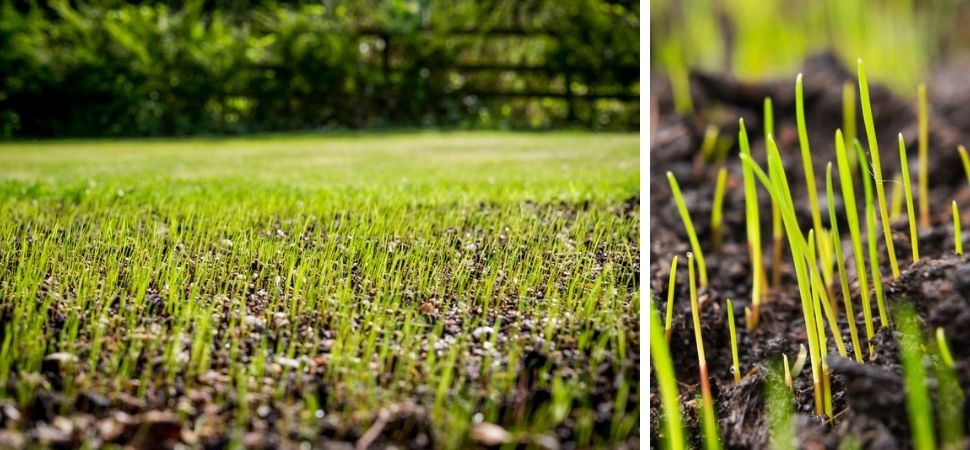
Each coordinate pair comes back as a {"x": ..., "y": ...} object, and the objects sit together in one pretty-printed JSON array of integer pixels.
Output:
[{"x": 117, "y": 69}]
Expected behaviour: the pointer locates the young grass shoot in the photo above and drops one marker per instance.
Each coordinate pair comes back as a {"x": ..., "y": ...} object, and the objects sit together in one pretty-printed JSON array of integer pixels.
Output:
[{"x": 876, "y": 166}]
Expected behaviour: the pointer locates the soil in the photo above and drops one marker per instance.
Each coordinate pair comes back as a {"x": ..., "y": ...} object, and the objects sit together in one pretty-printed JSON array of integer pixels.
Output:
[{"x": 869, "y": 400}]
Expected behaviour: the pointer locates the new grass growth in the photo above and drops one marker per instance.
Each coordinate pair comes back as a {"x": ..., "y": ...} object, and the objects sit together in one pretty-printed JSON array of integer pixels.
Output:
[
  {"x": 717, "y": 207},
  {"x": 709, "y": 420},
  {"x": 957, "y": 232},
  {"x": 852, "y": 217},
  {"x": 779, "y": 406},
  {"x": 671, "y": 288},
  {"x": 949, "y": 396},
  {"x": 752, "y": 224},
  {"x": 876, "y": 166},
  {"x": 823, "y": 244},
  {"x": 663, "y": 367},
  {"x": 965, "y": 159},
  {"x": 777, "y": 231},
  {"x": 873, "y": 242},
  {"x": 924, "y": 160},
  {"x": 907, "y": 187},
  {"x": 695, "y": 245},
  {"x": 843, "y": 276},
  {"x": 735, "y": 368},
  {"x": 776, "y": 182},
  {"x": 917, "y": 395},
  {"x": 326, "y": 276}
]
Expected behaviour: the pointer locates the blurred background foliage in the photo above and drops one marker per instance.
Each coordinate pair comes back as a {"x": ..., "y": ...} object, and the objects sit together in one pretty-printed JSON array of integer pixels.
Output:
[
  {"x": 112, "y": 68},
  {"x": 754, "y": 39}
]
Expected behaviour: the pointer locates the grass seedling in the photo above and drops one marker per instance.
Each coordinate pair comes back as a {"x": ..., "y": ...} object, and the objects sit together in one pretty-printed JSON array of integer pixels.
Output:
[
  {"x": 777, "y": 232},
  {"x": 896, "y": 198},
  {"x": 822, "y": 303},
  {"x": 724, "y": 144},
  {"x": 709, "y": 143},
  {"x": 689, "y": 228},
  {"x": 949, "y": 396},
  {"x": 769, "y": 118},
  {"x": 873, "y": 242},
  {"x": 671, "y": 287},
  {"x": 788, "y": 378},
  {"x": 957, "y": 233},
  {"x": 778, "y": 245},
  {"x": 663, "y": 367},
  {"x": 778, "y": 406},
  {"x": 852, "y": 217},
  {"x": 679, "y": 75},
  {"x": 734, "y": 343},
  {"x": 914, "y": 374},
  {"x": 717, "y": 207},
  {"x": 823, "y": 249},
  {"x": 778, "y": 188},
  {"x": 843, "y": 277},
  {"x": 908, "y": 189},
  {"x": 819, "y": 302},
  {"x": 943, "y": 347},
  {"x": 924, "y": 161},
  {"x": 876, "y": 165},
  {"x": 849, "y": 117},
  {"x": 709, "y": 420},
  {"x": 965, "y": 160},
  {"x": 753, "y": 224}
]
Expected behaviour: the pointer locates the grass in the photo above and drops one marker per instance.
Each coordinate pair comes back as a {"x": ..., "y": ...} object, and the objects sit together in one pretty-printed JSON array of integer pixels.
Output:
[
  {"x": 957, "y": 232},
  {"x": 752, "y": 223},
  {"x": 855, "y": 234},
  {"x": 840, "y": 261},
  {"x": 965, "y": 159},
  {"x": 823, "y": 247},
  {"x": 362, "y": 264},
  {"x": 735, "y": 367},
  {"x": 924, "y": 159},
  {"x": 908, "y": 189},
  {"x": 943, "y": 347},
  {"x": 695, "y": 245},
  {"x": 708, "y": 418},
  {"x": 873, "y": 241},
  {"x": 717, "y": 207},
  {"x": 779, "y": 407},
  {"x": 876, "y": 166},
  {"x": 849, "y": 117},
  {"x": 663, "y": 367},
  {"x": 671, "y": 290},
  {"x": 918, "y": 404},
  {"x": 776, "y": 182},
  {"x": 950, "y": 396},
  {"x": 817, "y": 300}
]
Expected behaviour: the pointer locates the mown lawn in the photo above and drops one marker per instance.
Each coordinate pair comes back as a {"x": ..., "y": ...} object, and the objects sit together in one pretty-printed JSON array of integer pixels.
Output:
[{"x": 360, "y": 289}]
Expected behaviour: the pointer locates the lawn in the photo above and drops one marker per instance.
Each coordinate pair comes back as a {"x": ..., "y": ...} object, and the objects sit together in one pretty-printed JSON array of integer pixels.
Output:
[{"x": 433, "y": 290}]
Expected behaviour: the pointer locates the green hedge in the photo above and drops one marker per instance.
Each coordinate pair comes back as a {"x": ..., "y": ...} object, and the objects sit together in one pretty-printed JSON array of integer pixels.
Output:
[{"x": 117, "y": 69}]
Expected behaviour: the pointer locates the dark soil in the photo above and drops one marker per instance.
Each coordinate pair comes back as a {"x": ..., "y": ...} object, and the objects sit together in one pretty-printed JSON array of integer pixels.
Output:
[{"x": 869, "y": 400}]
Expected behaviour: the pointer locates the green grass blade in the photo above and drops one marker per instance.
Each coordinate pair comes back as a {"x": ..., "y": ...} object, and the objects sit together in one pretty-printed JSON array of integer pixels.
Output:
[
  {"x": 917, "y": 395},
  {"x": 689, "y": 228},
  {"x": 877, "y": 168},
  {"x": 663, "y": 367},
  {"x": 924, "y": 160},
  {"x": 908, "y": 189},
  {"x": 671, "y": 288}
]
